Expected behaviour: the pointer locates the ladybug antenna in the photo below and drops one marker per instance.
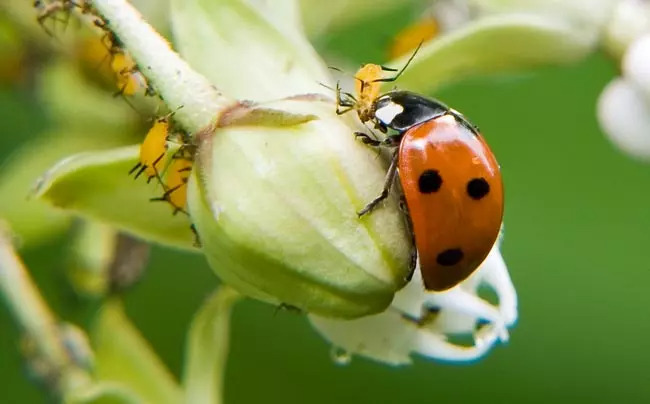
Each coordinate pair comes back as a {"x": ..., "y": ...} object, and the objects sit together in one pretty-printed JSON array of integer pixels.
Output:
[{"x": 408, "y": 62}]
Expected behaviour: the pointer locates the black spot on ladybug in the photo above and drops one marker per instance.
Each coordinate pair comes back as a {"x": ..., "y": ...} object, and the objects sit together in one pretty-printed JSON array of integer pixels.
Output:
[
  {"x": 478, "y": 188},
  {"x": 429, "y": 181},
  {"x": 450, "y": 257}
]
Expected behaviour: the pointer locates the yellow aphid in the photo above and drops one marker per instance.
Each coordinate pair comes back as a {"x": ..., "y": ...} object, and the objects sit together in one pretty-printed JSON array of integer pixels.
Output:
[
  {"x": 413, "y": 35},
  {"x": 368, "y": 82},
  {"x": 367, "y": 89},
  {"x": 128, "y": 79},
  {"x": 176, "y": 182},
  {"x": 153, "y": 150}
]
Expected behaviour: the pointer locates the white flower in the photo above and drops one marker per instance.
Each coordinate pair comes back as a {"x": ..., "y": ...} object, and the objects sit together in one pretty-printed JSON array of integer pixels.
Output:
[
  {"x": 584, "y": 18},
  {"x": 421, "y": 322},
  {"x": 624, "y": 105}
]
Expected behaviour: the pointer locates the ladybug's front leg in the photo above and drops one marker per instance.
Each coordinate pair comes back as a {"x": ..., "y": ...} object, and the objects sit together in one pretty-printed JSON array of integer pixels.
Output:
[
  {"x": 366, "y": 139},
  {"x": 388, "y": 183}
]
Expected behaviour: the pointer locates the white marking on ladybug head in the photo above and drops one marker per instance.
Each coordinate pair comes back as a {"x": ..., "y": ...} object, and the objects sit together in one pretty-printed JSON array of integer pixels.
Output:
[{"x": 387, "y": 113}]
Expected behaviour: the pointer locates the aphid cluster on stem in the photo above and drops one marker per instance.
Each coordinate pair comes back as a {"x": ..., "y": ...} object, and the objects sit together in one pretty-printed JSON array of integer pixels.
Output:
[
  {"x": 170, "y": 169},
  {"x": 450, "y": 178},
  {"x": 128, "y": 78}
]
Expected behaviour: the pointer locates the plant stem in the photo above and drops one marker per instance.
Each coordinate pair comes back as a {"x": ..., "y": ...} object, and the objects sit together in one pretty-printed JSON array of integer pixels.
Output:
[
  {"x": 173, "y": 79},
  {"x": 207, "y": 348},
  {"x": 36, "y": 319}
]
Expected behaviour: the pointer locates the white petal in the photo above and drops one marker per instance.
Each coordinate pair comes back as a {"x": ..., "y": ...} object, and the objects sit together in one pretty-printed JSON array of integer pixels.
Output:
[
  {"x": 385, "y": 337},
  {"x": 391, "y": 338},
  {"x": 494, "y": 274},
  {"x": 433, "y": 346},
  {"x": 636, "y": 64},
  {"x": 624, "y": 115},
  {"x": 629, "y": 20},
  {"x": 393, "y": 335}
]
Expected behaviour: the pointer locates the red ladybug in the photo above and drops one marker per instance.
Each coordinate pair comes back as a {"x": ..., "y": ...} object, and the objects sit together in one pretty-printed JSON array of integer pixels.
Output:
[{"x": 451, "y": 182}]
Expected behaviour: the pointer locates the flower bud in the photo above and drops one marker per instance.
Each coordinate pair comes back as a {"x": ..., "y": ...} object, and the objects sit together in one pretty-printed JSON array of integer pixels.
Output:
[{"x": 274, "y": 203}]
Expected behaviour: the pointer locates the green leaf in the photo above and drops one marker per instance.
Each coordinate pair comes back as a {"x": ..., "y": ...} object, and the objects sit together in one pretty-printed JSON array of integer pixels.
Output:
[
  {"x": 74, "y": 102},
  {"x": 104, "y": 393},
  {"x": 246, "y": 52},
  {"x": 322, "y": 16},
  {"x": 207, "y": 348},
  {"x": 31, "y": 219},
  {"x": 97, "y": 185},
  {"x": 496, "y": 44},
  {"x": 124, "y": 357}
]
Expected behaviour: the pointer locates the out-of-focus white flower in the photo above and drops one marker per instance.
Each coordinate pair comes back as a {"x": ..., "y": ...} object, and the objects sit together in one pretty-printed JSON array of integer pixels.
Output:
[
  {"x": 624, "y": 105},
  {"x": 421, "y": 322},
  {"x": 585, "y": 17},
  {"x": 624, "y": 115}
]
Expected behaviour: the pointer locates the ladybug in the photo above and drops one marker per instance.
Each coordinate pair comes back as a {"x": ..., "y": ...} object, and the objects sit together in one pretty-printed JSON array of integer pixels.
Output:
[
  {"x": 450, "y": 178},
  {"x": 451, "y": 182}
]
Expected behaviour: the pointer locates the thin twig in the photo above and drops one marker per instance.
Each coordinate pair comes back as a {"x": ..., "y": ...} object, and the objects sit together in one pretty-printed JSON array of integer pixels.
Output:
[{"x": 35, "y": 318}]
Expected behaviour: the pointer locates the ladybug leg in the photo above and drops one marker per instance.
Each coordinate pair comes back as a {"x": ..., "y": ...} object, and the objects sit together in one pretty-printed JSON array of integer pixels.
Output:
[
  {"x": 366, "y": 139},
  {"x": 372, "y": 141},
  {"x": 388, "y": 183}
]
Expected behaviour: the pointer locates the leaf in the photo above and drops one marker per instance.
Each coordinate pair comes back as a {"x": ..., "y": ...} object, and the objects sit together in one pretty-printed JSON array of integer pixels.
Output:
[
  {"x": 103, "y": 393},
  {"x": 322, "y": 16},
  {"x": 75, "y": 103},
  {"x": 496, "y": 44},
  {"x": 96, "y": 185},
  {"x": 245, "y": 52},
  {"x": 123, "y": 356},
  {"x": 207, "y": 348},
  {"x": 32, "y": 220}
]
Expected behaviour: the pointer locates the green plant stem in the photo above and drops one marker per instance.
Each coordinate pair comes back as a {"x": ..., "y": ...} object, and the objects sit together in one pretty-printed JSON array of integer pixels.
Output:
[
  {"x": 35, "y": 318},
  {"x": 172, "y": 78},
  {"x": 207, "y": 348}
]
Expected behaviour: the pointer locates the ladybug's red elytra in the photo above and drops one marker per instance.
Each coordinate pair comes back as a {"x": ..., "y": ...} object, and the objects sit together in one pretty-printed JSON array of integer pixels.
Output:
[{"x": 450, "y": 178}]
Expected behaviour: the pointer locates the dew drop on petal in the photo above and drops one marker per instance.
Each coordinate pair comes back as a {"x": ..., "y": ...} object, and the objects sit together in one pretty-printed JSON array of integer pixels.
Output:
[{"x": 340, "y": 356}]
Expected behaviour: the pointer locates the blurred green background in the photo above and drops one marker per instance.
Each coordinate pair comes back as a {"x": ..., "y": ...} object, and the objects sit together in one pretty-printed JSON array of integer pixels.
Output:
[{"x": 577, "y": 231}]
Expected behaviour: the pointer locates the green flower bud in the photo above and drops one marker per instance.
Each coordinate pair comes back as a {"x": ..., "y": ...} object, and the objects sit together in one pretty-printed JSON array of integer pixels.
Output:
[{"x": 274, "y": 203}]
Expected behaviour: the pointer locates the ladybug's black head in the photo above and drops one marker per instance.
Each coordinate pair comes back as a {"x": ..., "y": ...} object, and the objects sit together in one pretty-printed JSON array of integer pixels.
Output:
[{"x": 401, "y": 110}]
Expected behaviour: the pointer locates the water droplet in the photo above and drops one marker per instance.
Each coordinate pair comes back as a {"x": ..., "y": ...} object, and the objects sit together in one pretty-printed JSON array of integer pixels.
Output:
[{"x": 340, "y": 356}]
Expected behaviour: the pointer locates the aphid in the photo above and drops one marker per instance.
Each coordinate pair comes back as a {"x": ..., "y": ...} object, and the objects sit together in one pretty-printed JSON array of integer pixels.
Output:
[
  {"x": 51, "y": 10},
  {"x": 127, "y": 77},
  {"x": 153, "y": 150},
  {"x": 175, "y": 183},
  {"x": 369, "y": 79},
  {"x": 450, "y": 178}
]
